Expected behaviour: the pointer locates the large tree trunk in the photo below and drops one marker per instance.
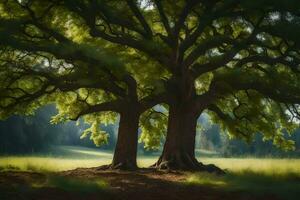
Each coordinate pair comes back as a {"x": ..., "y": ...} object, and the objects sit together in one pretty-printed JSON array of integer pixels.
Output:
[
  {"x": 179, "y": 149},
  {"x": 126, "y": 148}
]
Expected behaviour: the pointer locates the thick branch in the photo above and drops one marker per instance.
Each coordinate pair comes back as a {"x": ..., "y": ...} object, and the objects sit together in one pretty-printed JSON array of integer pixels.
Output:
[
  {"x": 140, "y": 17},
  {"x": 236, "y": 80},
  {"x": 203, "y": 47},
  {"x": 189, "y": 5},
  {"x": 114, "y": 106},
  {"x": 164, "y": 18}
]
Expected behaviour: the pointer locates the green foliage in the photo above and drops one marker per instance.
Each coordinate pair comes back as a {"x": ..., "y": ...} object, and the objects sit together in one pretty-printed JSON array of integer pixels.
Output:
[
  {"x": 99, "y": 136},
  {"x": 153, "y": 125},
  {"x": 250, "y": 117},
  {"x": 248, "y": 112},
  {"x": 79, "y": 54},
  {"x": 202, "y": 83}
]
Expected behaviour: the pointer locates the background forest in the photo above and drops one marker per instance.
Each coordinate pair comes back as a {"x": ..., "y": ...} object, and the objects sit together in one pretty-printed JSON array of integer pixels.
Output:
[{"x": 23, "y": 135}]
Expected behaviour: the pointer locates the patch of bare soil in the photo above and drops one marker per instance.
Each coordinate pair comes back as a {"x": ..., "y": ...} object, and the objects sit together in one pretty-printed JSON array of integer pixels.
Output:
[{"x": 138, "y": 185}]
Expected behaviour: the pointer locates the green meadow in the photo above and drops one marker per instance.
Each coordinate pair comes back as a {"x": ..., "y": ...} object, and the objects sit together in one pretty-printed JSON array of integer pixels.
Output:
[
  {"x": 63, "y": 158},
  {"x": 255, "y": 176}
]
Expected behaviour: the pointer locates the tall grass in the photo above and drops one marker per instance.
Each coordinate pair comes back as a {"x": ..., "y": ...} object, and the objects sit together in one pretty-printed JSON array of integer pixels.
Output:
[{"x": 32, "y": 163}]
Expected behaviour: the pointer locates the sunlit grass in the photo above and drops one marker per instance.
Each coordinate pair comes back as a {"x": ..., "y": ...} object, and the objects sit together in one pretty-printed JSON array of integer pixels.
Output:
[
  {"x": 48, "y": 164},
  {"x": 205, "y": 179},
  {"x": 263, "y": 165},
  {"x": 68, "y": 158},
  {"x": 59, "y": 159},
  {"x": 31, "y": 163}
]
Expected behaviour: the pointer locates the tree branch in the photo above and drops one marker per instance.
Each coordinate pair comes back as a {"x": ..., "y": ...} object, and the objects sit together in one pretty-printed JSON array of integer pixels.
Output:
[
  {"x": 140, "y": 17},
  {"x": 164, "y": 18},
  {"x": 114, "y": 106}
]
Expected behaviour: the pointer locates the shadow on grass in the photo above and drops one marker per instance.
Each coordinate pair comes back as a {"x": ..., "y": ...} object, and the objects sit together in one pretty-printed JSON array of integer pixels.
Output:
[
  {"x": 83, "y": 184},
  {"x": 9, "y": 167},
  {"x": 285, "y": 186},
  {"x": 75, "y": 184},
  {"x": 33, "y": 185}
]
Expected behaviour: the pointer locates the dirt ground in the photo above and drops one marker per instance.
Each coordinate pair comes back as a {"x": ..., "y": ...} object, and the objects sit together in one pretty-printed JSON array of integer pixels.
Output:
[{"x": 141, "y": 185}]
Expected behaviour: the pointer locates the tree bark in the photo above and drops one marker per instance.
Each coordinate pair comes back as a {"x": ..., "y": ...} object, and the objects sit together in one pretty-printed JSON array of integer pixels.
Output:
[
  {"x": 179, "y": 148},
  {"x": 126, "y": 148}
]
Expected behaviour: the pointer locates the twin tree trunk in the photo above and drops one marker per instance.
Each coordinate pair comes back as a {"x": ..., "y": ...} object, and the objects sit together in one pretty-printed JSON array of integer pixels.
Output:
[
  {"x": 126, "y": 148},
  {"x": 179, "y": 148}
]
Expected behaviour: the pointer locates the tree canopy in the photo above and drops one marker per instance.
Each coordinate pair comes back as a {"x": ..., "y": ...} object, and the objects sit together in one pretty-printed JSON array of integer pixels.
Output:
[{"x": 236, "y": 59}]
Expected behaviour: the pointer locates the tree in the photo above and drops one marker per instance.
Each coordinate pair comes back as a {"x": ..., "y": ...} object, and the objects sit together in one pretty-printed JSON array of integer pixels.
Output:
[
  {"x": 234, "y": 59},
  {"x": 238, "y": 60},
  {"x": 42, "y": 62}
]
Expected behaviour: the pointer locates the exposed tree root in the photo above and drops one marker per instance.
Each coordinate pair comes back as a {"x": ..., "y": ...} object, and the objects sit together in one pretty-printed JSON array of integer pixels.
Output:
[
  {"x": 177, "y": 162},
  {"x": 186, "y": 163},
  {"x": 126, "y": 166}
]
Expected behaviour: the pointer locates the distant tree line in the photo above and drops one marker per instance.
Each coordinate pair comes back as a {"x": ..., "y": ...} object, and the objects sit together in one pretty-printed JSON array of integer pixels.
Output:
[
  {"x": 214, "y": 140},
  {"x": 33, "y": 134},
  {"x": 21, "y": 135}
]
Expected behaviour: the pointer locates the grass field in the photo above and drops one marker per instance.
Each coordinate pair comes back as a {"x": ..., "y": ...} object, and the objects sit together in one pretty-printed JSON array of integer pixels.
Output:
[
  {"x": 279, "y": 177},
  {"x": 67, "y": 158}
]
